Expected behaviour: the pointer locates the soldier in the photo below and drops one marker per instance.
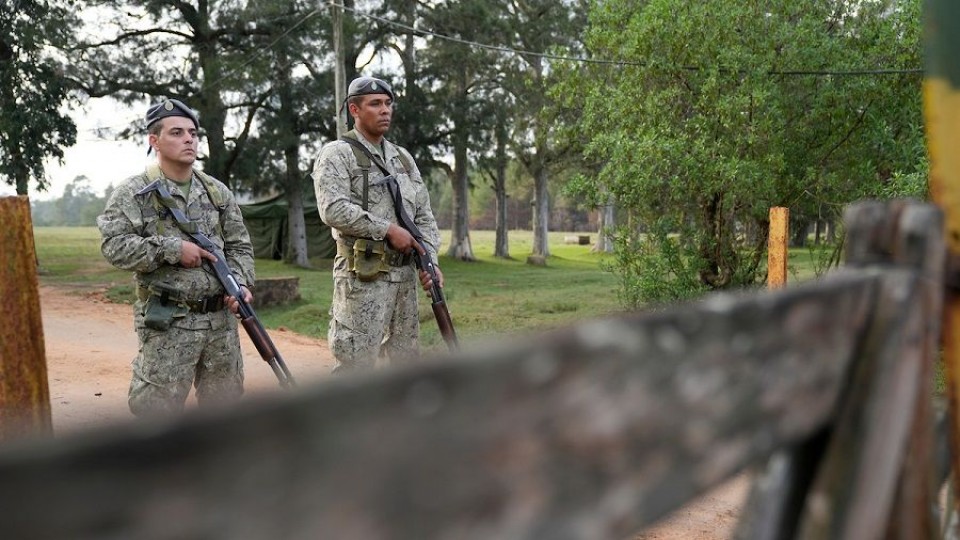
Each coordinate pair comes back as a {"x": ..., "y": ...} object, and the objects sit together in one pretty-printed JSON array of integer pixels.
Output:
[
  {"x": 374, "y": 311},
  {"x": 183, "y": 319}
]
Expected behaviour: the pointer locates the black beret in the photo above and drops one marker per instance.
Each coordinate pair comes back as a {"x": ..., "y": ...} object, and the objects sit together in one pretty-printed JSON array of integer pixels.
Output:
[
  {"x": 362, "y": 86},
  {"x": 171, "y": 107}
]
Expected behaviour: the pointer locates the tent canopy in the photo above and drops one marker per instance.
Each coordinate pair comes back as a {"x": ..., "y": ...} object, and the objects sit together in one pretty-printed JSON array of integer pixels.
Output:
[{"x": 267, "y": 222}]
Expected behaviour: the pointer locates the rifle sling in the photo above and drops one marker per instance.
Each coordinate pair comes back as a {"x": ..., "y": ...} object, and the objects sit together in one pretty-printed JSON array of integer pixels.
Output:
[{"x": 392, "y": 186}]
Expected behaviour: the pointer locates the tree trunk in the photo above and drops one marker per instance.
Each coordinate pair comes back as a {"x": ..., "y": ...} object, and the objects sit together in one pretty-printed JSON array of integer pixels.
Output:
[
  {"x": 460, "y": 247},
  {"x": 541, "y": 212},
  {"x": 296, "y": 226},
  {"x": 501, "y": 245},
  {"x": 293, "y": 186},
  {"x": 210, "y": 104},
  {"x": 21, "y": 174},
  {"x": 798, "y": 238},
  {"x": 605, "y": 225}
]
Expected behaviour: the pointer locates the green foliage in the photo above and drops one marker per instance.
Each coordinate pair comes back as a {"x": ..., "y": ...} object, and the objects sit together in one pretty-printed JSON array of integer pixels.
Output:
[
  {"x": 79, "y": 206},
  {"x": 707, "y": 135},
  {"x": 32, "y": 89},
  {"x": 652, "y": 267}
]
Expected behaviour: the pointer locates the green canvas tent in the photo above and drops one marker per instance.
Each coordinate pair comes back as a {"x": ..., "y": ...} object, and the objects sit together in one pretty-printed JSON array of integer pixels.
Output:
[{"x": 267, "y": 224}]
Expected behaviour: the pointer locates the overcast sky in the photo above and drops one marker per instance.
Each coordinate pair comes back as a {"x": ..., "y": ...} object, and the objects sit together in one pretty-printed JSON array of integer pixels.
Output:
[{"x": 98, "y": 155}]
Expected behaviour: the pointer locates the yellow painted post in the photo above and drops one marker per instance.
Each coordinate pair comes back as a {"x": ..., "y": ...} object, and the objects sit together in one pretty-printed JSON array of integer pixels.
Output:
[
  {"x": 24, "y": 394},
  {"x": 777, "y": 247},
  {"x": 941, "y": 107}
]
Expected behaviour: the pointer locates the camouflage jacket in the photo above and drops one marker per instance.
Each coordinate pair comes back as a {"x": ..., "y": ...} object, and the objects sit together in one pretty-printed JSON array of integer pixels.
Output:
[
  {"x": 338, "y": 180},
  {"x": 139, "y": 234}
]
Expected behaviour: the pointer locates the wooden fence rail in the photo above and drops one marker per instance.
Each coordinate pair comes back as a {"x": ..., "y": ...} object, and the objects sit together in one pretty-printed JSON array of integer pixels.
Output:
[{"x": 591, "y": 432}]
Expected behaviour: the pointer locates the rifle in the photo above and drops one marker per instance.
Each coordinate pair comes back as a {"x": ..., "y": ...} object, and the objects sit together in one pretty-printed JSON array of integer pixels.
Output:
[
  {"x": 248, "y": 318},
  {"x": 422, "y": 260}
]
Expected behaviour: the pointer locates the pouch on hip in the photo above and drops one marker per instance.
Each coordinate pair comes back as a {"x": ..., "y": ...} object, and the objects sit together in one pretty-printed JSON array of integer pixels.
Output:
[
  {"x": 159, "y": 315},
  {"x": 369, "y": 259}
]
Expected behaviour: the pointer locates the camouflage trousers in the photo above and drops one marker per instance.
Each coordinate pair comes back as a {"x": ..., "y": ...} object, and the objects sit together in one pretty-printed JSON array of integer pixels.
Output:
[
  {"x": 373, "y": 320},
  {"x": 199, "y": 350}
]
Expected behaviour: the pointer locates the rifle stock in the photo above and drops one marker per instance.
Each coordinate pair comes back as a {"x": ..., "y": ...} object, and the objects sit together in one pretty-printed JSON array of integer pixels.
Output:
[
  {"x": 248, "y": 318},
  {"x": 438, "y": 302}
]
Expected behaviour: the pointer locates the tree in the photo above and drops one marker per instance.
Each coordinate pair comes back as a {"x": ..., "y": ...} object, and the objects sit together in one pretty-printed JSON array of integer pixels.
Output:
[
  {"x": 294, "y": 101},
  {"x": 460, "y": 73},
  {"x": 197, "y": 51},
  {"x": 541, "y": 28},
  {"x": 771, "y": 106},
  {"x": 32, "y": 90}
]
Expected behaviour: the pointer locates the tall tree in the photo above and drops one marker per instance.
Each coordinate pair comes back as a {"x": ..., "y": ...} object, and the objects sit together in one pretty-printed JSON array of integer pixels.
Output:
[
  {"x": 195, "y": 50},
  {"x": 296, "y": 106},
  {"x": 33, "y": 89},
  {"x": 775, "y": 104},
  {"x": 541, "y": 28}
]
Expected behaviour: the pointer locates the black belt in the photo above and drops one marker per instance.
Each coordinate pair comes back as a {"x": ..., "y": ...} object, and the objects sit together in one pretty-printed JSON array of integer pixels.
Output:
[
  {"x": 395, "y": 258},
  {"x": 209, "y": 304}
]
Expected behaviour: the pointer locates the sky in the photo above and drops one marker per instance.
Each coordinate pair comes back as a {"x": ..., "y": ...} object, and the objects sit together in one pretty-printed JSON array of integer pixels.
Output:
[{"x": 98, "y": 154}]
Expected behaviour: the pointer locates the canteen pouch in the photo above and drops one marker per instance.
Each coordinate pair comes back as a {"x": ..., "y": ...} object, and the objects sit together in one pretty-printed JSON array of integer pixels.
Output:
[
  {"x": 161, "y": 310},
  {"x": 369, "y": 259}
]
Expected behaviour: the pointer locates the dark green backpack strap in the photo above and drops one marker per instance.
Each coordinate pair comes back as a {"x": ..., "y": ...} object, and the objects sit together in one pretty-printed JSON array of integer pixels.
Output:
[
  {"x": 216, "y": 197},
  {"x": 406, "y": 159},
  {"x": 363, "y": 161},
  {"x": 154, "y": 173}
]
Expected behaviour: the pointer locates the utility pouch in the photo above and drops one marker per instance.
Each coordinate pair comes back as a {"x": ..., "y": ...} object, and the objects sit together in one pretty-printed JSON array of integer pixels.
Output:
[
  {"x": 161, "y": 308},
  {"x": 369, "y": 259}
]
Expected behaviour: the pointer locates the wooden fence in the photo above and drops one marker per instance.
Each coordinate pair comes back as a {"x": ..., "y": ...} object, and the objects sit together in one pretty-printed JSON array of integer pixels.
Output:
[{"x": 591, "y": 432}]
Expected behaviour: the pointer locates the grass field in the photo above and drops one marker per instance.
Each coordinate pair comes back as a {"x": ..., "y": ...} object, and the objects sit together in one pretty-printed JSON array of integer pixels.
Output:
[{"x": 487, "y": 298}]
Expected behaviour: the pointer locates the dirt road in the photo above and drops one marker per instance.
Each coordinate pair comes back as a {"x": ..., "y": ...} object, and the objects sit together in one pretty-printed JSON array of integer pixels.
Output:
[{"x": 90, "y": 342}]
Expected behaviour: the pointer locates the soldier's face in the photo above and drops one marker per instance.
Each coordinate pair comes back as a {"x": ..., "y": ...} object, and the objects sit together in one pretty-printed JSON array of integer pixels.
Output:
[
  {"x": 177, "y": 141},
  {"x": 373, "y": 114}
]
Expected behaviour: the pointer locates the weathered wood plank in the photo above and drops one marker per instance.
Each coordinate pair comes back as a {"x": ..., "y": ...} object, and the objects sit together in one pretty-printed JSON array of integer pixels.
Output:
[
  {"x": 856, "y": 483},
  {"x": 920, "y": 244},
  {"x": 881, "y": 234},
  {"x": 588, "y": 433},
  {"x": 24, "y": 394}
]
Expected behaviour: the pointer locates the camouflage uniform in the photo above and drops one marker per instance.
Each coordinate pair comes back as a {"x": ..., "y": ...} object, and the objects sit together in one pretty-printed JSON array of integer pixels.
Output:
[
  {"x": 376, "y": 318},
  {"x": 200, "y": 349}
]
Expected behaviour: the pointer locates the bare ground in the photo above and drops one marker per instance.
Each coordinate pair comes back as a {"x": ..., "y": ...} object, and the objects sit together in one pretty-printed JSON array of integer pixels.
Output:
[{"x": 90, "y": 343}]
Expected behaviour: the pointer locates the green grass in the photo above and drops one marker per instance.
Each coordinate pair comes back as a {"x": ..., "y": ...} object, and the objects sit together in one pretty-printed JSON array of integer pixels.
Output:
[{"x": 486, "y": 298}]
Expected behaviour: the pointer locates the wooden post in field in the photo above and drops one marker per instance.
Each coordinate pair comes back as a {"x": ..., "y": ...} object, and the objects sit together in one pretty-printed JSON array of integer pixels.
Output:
[
  {"x": 777, "y": 247},
  {"x": 24, "y": 394},
  {"x": 941, "y": 108}
]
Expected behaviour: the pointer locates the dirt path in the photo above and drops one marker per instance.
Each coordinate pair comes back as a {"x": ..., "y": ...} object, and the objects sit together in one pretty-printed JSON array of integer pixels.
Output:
[{"x": 90, "y": 343}]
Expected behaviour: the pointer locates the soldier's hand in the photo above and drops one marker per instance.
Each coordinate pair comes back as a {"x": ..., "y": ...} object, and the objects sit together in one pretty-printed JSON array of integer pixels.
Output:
[
  {"x": 232, "y": 303},
  {"x": 192, "y": 255},
  {"x": 401, "y": 240},
  {"x": 425, "y": 280}
]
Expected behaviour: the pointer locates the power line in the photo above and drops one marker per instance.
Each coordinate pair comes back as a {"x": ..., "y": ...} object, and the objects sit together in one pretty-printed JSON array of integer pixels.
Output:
[{"x": 548, "y": 56}]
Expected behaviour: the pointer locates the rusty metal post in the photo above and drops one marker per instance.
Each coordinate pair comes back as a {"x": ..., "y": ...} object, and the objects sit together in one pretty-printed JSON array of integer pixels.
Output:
[
  {"x": 941, "y": 104},
  {"x": 777, "y": 247},
  {"x": 24, "y": 394}
]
